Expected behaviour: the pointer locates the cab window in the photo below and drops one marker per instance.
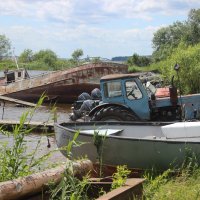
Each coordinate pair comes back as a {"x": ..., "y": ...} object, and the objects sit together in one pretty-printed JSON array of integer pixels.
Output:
[
  {"x": 112, "y": 89},
  {"x": 132, "y": 90}
]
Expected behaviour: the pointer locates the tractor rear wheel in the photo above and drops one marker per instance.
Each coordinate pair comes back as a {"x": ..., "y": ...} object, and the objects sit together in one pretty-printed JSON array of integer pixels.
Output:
[{"x": 114, "y": 113}]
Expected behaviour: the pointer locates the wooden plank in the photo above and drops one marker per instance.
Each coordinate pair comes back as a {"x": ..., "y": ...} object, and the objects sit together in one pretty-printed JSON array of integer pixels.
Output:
[
  {"x": 33, "y": 123},
  {"x": 38, "y": 125},
  {"x": 17, "y": 101}
]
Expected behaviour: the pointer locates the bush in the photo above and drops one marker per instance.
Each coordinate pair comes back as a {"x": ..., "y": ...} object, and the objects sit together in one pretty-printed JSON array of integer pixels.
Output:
[{"x": 188, "y": 59}]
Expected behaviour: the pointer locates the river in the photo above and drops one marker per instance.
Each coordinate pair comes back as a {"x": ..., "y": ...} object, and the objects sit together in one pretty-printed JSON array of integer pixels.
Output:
[{"x": 10, "y": 111}]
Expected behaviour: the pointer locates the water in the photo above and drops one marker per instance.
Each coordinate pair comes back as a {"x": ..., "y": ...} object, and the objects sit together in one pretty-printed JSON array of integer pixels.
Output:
[{"x": 11, "y": 112}]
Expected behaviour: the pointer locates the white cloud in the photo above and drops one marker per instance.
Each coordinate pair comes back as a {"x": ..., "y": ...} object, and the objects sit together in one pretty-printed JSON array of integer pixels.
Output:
[
  {"x": 15, "y": 8},
  {"x": 39, "y": 9},
  {"x": 54, "y": 9},
  {"x": 145, "y": 8},
  {"x": 64, "y": 25},
  {"x": 94, "y": 41},
  {"x": 93, "y": 11}
]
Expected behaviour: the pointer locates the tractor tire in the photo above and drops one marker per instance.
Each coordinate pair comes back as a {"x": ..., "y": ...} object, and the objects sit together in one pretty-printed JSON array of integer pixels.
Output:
[{"x": 114, "y": 113}]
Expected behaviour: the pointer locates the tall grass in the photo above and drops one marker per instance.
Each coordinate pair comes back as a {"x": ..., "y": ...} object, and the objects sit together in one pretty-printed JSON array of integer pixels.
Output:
[
  {"x": 70, "y": 187},
  {"x": 179, "y": 184},
  {"x": 14, "y": 160},
  {"x": 99, "y": 140}
]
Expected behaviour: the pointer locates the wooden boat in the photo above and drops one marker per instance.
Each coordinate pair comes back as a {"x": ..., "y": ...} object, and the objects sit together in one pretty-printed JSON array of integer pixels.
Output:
[
  {"x": 64, "y": 86},
  {"x": 137, "y": 145}
]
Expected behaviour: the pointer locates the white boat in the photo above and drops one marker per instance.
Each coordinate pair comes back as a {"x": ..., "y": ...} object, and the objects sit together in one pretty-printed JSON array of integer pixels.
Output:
[{"x": 137, "y": 145}]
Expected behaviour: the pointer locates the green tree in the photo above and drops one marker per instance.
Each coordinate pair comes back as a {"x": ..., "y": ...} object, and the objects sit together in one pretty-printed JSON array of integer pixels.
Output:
[
  {"x": 193, "y": 27},
  {"x": 188, "y": 58},
  {"x": 26, "y": 56},
  {"x": 77, "y": 54},
  {"x": 46, "y": 56},
  {"x": 139, "y": 61},
  {"x": 5, "y": 46},
  {"x": 167, "y": 38}
]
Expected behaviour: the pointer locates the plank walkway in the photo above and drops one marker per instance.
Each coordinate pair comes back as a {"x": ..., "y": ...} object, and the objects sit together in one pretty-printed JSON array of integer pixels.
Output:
[
  {"x": 39, "y": 126},
  {"x": 17, "y": 101}
]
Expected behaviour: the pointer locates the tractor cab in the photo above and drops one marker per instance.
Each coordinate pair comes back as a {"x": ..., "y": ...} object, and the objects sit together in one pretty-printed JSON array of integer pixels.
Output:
[{"x": 127, "y": 90}]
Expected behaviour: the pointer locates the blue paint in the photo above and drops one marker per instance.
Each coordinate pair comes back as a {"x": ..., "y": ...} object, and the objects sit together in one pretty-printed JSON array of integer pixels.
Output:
[{"x": 121, "y": 91}]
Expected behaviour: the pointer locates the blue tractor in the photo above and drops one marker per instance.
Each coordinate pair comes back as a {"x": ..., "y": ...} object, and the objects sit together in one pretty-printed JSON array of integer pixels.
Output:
[{"x": 126, "y": 97}]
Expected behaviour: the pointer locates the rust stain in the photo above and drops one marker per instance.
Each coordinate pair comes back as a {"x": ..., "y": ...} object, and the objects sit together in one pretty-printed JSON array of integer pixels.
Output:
[{"x": 63, "y": 86}]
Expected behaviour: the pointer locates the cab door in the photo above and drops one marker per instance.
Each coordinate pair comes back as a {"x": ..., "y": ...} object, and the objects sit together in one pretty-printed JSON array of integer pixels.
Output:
[
  {"x": 136, "y": 98},
  {"x": 112, "y": 92}
]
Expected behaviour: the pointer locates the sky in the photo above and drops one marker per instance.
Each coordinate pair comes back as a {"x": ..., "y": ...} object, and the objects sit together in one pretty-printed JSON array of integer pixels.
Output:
[{"x": 101, "y": 28}]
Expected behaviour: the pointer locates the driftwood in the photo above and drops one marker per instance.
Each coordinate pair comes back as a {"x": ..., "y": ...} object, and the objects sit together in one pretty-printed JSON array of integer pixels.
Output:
[{"x": 36, "y": 182}]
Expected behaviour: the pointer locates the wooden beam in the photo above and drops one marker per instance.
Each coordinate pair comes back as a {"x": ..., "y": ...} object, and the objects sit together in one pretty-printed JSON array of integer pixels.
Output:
[
  {"x": 17, "y": 101},
  {"x": 35, "y": 183}
]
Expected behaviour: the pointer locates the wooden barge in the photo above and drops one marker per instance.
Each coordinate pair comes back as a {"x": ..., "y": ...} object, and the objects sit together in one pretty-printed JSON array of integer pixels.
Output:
[{"x": 63, "y": 86}]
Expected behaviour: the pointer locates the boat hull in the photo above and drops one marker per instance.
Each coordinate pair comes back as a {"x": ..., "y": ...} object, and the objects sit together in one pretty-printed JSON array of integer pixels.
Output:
[
  {"x": 146, "y": 152},
  {"x": 62, "y": 86},
  {"x": 61, "y": 93}
]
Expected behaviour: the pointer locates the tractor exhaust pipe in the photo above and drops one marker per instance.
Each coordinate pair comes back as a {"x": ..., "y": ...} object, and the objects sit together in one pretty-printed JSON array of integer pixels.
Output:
[{"x": 173, "y": 93}]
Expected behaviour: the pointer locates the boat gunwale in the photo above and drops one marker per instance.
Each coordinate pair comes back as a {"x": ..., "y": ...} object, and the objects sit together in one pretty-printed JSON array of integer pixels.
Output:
[{"x": 157, "y": 139}]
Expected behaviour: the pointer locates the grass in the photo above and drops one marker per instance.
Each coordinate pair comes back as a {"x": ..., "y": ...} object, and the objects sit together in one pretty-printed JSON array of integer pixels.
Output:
[
  {"x": 182, "y": 185},
  {"x": 15, "y": 161},
  {"x": 134, "y": 69}
]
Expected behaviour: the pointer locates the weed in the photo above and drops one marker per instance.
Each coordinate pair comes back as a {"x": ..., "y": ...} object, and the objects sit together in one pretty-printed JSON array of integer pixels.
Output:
[
  {"x": 153, "y": 184},
  {"x": 14, "y": 160},
  {"x": 120, "y": 177},
  {"x": 99, "y": 144},
  {"x": 70, "y": 187}
]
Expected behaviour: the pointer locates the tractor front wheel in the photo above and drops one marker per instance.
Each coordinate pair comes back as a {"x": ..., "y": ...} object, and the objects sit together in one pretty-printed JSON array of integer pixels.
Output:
[{"x": 113, "y": 113}]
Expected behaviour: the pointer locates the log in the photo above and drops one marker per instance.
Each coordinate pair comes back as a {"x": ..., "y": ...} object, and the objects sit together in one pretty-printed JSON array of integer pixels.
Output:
[{"x": 35, "y": 183}]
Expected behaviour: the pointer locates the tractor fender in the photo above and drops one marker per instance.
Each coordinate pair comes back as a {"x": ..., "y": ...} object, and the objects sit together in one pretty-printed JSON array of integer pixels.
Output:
[{"x": 104, "y": 105}]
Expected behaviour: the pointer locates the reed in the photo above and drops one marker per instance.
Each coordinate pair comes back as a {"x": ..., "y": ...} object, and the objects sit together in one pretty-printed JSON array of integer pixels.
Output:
[{"x": 14, "y": 160}]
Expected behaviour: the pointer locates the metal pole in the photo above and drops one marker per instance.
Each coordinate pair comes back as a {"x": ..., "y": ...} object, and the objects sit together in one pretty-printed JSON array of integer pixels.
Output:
[{"x": 15, "y": 58}]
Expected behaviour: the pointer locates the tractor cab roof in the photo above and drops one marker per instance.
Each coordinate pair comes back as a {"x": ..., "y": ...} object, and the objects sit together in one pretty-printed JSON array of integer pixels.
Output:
[
  {"x": 120, "y": 76},
  {"x": 143, "y": 76}
]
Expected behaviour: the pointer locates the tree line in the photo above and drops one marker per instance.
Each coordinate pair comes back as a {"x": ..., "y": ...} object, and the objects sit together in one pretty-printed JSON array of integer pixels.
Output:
[
  {"x": 179, "y": 44},
  {"x": 168, "y": 38},
  {"x": 176, "y": 43},
  {"x": 43, "y": 59}
]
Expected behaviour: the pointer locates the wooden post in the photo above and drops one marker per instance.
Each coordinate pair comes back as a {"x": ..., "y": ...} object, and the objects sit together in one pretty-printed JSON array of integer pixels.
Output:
[{"x": 34, "y": 183}]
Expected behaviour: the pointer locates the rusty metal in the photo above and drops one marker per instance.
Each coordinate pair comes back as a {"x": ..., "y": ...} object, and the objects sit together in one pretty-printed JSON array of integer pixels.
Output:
[
  {"x": 132, "y": 189},
  {"x": 63, "y": 86},
  {"x": 117, "y": 76}
]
